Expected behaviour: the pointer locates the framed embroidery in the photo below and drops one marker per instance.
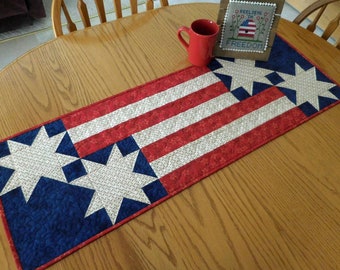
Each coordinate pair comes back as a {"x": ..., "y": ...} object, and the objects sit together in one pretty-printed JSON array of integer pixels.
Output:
[{"x": 247, "y": 28}]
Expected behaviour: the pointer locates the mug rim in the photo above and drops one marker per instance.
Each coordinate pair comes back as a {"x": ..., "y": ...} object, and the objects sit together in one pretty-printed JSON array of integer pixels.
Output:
[{"x": 214, "y": 28}]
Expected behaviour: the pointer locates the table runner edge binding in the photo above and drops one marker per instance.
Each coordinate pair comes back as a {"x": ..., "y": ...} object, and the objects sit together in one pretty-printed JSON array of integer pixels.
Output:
[{"x": 9, "y": 236}]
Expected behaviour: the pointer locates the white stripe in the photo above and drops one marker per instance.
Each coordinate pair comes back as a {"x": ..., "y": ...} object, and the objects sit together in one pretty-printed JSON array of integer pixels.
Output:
[
  {"x": 138, "y": 108},
  {"x": 187, "y": 118},
  {"x": 217, "y": 138},
  {"x": 248, "y": 27}
]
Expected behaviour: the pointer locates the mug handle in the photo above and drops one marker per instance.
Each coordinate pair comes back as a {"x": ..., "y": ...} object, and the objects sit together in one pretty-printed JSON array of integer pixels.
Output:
[{"x": 179, "y": 35}]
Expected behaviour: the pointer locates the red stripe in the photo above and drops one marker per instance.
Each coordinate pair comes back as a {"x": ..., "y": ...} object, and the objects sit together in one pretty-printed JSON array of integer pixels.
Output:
[
  {"x": 202, "y": 167},
  {"x": 133, "y": 95},
  {"x": 246, "y": 35},
  {"x": 209, "y": 124},
  {"x": 119, "y": 132}
]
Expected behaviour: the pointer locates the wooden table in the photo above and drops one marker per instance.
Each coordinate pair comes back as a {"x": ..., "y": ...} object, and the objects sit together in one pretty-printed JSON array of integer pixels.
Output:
[{"x": 276, "y": 208}]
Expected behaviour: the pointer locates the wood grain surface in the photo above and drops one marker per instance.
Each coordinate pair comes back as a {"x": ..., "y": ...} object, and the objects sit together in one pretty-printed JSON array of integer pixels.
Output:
[{"x": 276, "y": 208}]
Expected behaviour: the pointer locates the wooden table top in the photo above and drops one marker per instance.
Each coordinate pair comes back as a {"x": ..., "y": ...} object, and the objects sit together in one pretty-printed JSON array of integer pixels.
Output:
[{"x": 276, "y": 208}]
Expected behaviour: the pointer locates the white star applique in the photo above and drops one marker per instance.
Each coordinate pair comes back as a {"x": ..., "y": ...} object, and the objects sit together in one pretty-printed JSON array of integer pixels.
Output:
[
  {"x": 113, "y": 182},
  {"x": 31, "y": 162},
  {"x": 307, "y": 87},
  {"x": 243, "y": 73}
]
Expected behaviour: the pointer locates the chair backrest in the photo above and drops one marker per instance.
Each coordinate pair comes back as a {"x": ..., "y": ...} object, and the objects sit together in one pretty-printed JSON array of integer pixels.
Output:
[
  {"x": 61, "y": 6},
  {"x": 320, "y": 6}
]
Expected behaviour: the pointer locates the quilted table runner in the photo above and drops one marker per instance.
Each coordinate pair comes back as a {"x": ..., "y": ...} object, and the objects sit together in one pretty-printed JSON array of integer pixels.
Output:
[{"x": 68, "y": 181}]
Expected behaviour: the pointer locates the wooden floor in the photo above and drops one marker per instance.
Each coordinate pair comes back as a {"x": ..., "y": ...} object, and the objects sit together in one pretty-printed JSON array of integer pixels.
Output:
[{"x": 329, "y": 14}]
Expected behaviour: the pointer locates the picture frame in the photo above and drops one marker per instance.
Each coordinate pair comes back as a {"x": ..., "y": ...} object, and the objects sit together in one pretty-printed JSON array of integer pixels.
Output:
[{"x": 247, "y": 28}]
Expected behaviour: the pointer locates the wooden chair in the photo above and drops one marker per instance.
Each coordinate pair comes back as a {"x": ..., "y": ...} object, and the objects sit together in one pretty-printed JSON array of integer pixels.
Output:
[
  {"x": 59, "y": 6},
  {"x": 320, "y": 6}
]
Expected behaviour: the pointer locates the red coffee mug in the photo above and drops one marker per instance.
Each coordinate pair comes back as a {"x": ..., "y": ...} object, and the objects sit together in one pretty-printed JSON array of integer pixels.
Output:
[{"x": 202, "y": 39}]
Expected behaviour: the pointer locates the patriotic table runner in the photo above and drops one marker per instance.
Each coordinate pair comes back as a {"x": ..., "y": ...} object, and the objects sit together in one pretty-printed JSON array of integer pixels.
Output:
[{"x": 67, "y": 182}]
